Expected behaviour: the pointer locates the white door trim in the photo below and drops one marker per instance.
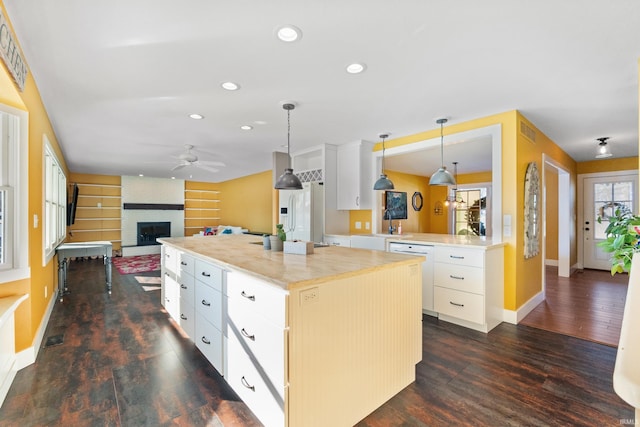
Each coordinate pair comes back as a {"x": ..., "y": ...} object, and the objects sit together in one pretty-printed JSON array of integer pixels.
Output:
[
  {"x": 564, "y": 217},
  {"x": 580, "y": 203}
]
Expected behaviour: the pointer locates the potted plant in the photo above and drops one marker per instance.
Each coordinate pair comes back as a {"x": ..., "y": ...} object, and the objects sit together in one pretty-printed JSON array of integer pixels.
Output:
[
  {"x": 279, "y": 238},
  {"x": 623, "y": 239}
]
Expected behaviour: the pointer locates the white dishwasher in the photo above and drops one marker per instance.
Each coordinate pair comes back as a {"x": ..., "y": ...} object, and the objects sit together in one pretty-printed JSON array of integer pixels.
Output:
[{"x": 427, "y": 269}]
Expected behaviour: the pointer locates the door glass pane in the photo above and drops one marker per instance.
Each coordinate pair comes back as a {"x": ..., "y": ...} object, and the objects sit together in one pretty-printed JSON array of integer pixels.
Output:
[
  {"x": 608, "y": 198},
  {"x": 471, "y": 212}
]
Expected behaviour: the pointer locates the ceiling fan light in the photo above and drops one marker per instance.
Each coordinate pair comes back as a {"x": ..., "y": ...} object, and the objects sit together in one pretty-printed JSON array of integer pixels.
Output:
[
  {"x": 603, "y": 150},
  {"x": 288, "y": 181}
]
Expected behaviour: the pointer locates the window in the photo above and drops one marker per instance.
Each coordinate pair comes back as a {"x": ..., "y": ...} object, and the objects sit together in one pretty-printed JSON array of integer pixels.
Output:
[
  {"x": 14, "y": 239},
  {"x": 55, "y": 202}
]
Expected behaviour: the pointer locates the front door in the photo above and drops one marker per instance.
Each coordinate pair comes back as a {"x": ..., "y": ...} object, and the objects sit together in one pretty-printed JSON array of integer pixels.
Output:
[{"x": 602, "y": 197}]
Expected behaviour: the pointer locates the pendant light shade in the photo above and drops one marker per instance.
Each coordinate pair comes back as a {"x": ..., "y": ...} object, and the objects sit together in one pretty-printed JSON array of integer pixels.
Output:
[
  {"x": 383, "y": 183},
  {"x": 603, "y": 149},
  {"x": 442, "y": 175},
  {"x": 288, "y": 181}
]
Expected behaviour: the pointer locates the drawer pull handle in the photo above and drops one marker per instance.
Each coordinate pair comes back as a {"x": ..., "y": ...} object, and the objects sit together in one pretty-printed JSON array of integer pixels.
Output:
[
  {"x": 456, "y": 304},
  {"x": 183, "y": 317},
  {"x": 456, "y": 277},
  {"x": 246, "y": 384},
  {"x": 183, "y": 286},
  {"x": 205, "y": 340},
  {"x": 456, "y": 257},
  {"x": 246, "y": 335},
  {"x": 250, "y": 297},
  {"x": 205, "y": 274},
  {"x": 206, "y": 303},
  {"x": 183, "y": 263}
]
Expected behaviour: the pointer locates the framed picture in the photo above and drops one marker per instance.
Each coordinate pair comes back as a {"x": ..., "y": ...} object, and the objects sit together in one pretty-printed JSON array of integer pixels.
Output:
[{"x": 395, "y": 205}]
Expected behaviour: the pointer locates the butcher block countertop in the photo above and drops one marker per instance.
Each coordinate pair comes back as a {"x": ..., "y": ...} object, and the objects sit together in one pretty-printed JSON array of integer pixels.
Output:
[{"x": 289, "y": 271}]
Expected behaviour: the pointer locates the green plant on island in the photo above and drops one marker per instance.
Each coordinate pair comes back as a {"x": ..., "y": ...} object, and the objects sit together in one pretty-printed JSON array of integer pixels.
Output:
[
  {"x": 280, "y": 232},
  {"x": 622, "y": 239}
]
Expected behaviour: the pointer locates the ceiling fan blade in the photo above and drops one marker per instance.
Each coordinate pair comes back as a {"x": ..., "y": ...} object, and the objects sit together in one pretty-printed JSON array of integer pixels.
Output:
[
  {"x": 211, "y": 163},
  {"x": 201, "y": 166},
  {"x": 176, "y": 167}
]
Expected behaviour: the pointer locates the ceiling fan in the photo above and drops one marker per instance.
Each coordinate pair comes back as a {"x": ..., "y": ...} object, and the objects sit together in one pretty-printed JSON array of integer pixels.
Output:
[{"x": 190, "y": 159}]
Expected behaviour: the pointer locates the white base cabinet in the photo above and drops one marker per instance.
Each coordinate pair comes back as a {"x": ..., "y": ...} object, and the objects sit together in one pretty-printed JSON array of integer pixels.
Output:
[{"x": 469, "y": 286}]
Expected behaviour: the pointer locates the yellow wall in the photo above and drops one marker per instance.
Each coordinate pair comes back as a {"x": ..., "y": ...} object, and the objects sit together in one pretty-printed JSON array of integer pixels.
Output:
[
  {"x": 248, "y": 202},
  {"x": 608, "y": 165},
  {"x": 95, "y": 222},
  {"x": 31, "y": 312},
  {"x": 523, "y": 279}
]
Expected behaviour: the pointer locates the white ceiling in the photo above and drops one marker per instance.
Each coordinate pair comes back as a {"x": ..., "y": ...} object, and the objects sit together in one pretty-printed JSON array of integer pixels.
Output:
[{"x": 120, "y": 77}]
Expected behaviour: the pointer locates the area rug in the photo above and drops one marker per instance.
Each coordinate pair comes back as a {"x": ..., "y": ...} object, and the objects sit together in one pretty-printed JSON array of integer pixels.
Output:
[{"x": 137, "y": 264}]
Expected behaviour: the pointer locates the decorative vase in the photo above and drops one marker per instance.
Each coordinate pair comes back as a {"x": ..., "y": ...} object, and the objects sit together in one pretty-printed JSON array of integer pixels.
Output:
[
  {"x": 276, "y": 243},
  {"x": 266, "y": 242}
]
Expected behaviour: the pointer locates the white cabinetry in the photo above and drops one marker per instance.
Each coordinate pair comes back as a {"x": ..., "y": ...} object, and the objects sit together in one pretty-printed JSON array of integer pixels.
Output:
[
  {"x": 319, "y": 163},
  {"x": 186, "y": 281},
  {"x": 335, "y": 240},
  {"x": 209, "y": 312},
  {"x": 354, "y": 176},
  {"x": 256, "y": 331},
  {"x": 469, "y": 286},
  {"x": 170, "y": 293}
]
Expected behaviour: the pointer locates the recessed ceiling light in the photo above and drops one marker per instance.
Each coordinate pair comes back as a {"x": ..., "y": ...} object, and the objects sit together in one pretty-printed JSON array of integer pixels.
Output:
[
  {"x": 356, "y": 68},
  {"x": 230, "y": 86},
  {"x": 289, "y": 33},
  {"x": 173, "y": 177},
  {"x": 260, "y": 122},
  {"x": 140, "y": 175},
  {"x": 246, "y": 127},
  {"x": 196, "y": 116}
]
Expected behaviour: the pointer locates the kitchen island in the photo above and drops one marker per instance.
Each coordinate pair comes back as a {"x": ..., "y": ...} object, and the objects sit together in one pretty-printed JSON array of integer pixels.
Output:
[{"x": 305, "y": 340}]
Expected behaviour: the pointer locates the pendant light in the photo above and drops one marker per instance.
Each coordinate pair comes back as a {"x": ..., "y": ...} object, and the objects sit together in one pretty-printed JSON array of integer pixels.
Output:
[
  {"x": 457, "y": 203},
  {"x": 603, "y": 149},
  {"x": 288, "y": 181},
  {"x": 383, "y": 183},
  {"x": 442, "y": 176}
]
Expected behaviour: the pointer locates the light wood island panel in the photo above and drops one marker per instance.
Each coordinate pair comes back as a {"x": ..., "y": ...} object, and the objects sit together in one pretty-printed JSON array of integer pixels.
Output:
[{"x": 352, "y": 331}]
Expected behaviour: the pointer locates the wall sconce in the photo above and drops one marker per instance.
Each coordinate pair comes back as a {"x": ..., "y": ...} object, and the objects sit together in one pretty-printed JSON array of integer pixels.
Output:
[{"x": 438, "y": 208}]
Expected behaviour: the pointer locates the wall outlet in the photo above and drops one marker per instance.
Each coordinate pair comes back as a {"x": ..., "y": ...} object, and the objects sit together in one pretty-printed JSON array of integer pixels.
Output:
[
  {"x": 367, "y": 225},
  {"x": 358, "y": 225},
  {"x": 99, "y": 204},
  {"x": 309, "y": 296}
]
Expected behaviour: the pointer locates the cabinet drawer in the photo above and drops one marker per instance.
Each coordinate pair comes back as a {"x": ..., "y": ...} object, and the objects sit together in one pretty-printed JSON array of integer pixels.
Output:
[
  {"x": 186, "y": 264},
  {"x": 187, "y": 288},
  {"x": 169, "y": 258},
  {"x": 254, "y": 335},
  {"x": 257, "y": 297},
  {"x": 187, "y": 318},
  {"x": 264, "y": 398},
  {"x": 208, "y": 273},
  {"x": 208, "y": 339},
  {"x": 462, "y": 305},
  {"x": 460, "y": 256},
  {"x": 209, "y": 304},
  {"x": 460, "y": 277}
]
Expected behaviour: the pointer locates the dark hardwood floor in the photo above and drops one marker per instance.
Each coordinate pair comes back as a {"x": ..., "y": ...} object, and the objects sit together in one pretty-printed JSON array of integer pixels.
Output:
[
  {"x": 122, "y": 363},
  {"x": 587, "y": 305}
]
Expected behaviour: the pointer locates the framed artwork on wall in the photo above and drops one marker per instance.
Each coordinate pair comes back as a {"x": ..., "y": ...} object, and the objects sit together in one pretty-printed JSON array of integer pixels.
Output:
[{"x": 395, "y": 205}]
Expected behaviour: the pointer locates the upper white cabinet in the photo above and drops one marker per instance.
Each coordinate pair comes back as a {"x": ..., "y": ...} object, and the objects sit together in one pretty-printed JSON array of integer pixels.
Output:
[{"x": 354, "y": 176}]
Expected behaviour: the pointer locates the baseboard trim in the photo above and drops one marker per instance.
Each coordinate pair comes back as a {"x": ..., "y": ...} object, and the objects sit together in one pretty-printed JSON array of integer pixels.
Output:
[
  {"x": 551, "y": 262},
  {"x": 28, "y": 356},
  {"x": 515, "y": 316}
]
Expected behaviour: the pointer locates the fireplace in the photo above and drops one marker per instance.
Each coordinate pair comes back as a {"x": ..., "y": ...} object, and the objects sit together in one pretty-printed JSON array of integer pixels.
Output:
[{"x": 149, "y": 231}]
